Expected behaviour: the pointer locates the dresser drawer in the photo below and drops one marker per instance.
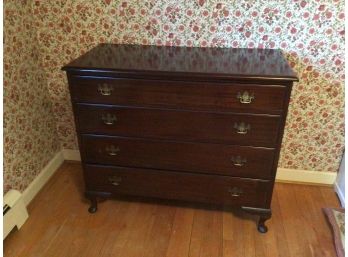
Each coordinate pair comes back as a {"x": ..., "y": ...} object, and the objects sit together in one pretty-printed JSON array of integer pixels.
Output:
[
  {"x": 250, "y": 98},
  {"x": 182, "y": 156},
  {"x": 226, "y": 128},
  {"x": 174, "y": 185}
]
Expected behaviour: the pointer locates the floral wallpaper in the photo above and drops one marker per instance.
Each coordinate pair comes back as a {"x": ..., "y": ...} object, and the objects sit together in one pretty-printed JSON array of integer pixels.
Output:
[
  {"x": 30, "y": 137},
  {"x": 310, "y": 33}
]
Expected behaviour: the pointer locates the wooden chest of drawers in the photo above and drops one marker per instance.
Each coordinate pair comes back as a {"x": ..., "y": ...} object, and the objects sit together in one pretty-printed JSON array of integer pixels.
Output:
[{"x": 194, "y": 124}]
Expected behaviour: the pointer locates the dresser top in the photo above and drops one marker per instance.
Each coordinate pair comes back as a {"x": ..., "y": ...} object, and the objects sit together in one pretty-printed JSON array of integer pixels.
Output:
[{"x": 227, "y": 63}]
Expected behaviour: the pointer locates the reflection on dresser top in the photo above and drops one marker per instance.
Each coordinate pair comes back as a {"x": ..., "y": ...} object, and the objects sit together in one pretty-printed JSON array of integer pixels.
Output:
[{"x": 229, "y": 61}]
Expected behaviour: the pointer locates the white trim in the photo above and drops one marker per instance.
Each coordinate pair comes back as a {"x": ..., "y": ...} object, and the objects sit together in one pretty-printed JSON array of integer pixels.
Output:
[
  {"x": 306, "y": 176},
  {"x": 340, "y": 194},
  {"x": 340, "y": 181},
  {"x": 288, "y": 175},
  {"x": 71, "y": 155},
  {"x": 35, "y": 186},
  {"x": 17, "y": 215}
]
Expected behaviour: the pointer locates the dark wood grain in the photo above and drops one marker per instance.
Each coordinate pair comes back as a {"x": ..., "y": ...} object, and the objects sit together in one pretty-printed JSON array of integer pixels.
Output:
[
  {"x": 182, "y": 125},
  {"x": 185, "y": 61},
  {"x": 177, "y": 110},
  {"x": 181, "y": 156},
  {"x": 179, "y": 95},
  {"x": 59, "y": 225},
  {"x": 279, "y": 145},
  {"x": 175, "y": 185}
]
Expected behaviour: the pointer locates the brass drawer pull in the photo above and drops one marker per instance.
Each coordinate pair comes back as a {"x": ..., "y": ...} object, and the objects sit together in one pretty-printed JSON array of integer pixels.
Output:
[
  {"x": 112, "y": 150},
  {"x": 235, "y": 191},
  {"x": 245, "y": 97},
  {"x": 109, "y": 119},
  {"x": 115, "y": 180},
  {"x": 238, "y": 161},
  {"x": 242, "y": 128},
  {"x": 105, "y": 89}
]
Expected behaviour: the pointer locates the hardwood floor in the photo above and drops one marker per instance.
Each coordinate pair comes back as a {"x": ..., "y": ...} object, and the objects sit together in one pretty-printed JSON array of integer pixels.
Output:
[{"x": 59, "y": 225}]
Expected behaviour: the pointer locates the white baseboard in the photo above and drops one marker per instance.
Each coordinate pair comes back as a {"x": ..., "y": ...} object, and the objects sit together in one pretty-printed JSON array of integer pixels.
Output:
[
  {"x": 71, "y": 155},
  {"x": 340, "y": 194},
  {"x": 17, "y": 214},
  {"x": 306, "y": 176},
  {"x": 283, "y": 175},
  {"x": 35, "y": 186}
]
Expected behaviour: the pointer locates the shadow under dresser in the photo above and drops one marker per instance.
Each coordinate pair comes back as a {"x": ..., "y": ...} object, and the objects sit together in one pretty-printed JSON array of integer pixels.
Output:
[{"x": 193, "y": 124}]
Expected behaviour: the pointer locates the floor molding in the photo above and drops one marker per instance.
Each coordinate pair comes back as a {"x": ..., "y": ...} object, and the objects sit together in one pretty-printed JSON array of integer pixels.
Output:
[
  {"x": 45, "y": 174},
  {"x": 306, "y": 176},
  {"x": 340, "y": 194},
  {"x": 71, "y": 155},
  {"x": 283, "y": 175}
]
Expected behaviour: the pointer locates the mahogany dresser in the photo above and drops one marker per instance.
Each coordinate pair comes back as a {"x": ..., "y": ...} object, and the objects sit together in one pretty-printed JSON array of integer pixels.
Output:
[{"x": 192, "y": 124}]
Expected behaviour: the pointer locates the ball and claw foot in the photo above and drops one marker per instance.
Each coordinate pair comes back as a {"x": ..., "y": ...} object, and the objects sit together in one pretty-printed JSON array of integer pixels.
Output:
[
  {"x": 264, "y": 214},
  {"x": 261, "y": 227},
  {"x": 92, "y": 209}
]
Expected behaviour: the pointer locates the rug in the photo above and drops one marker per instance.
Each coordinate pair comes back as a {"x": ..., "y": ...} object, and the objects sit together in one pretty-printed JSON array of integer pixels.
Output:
[{"x": 336, "y": 219}]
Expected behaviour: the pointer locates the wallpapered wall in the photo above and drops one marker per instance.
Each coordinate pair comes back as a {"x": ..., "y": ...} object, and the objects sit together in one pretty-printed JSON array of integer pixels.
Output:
[
  {"x": 30, "y": 137},
  {"x": 311, "y": 33}
]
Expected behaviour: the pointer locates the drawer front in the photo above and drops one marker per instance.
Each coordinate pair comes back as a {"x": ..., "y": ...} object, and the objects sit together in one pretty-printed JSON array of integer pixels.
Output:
[
  {"x": 174, "y": 185},
  {"x": 241, "y": 129},
  {"x": 179, "y": 95},
  {"x": 228, "y": 160}
]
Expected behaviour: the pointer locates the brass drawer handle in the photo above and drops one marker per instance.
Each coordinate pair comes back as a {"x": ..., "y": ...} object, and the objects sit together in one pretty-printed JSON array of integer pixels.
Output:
[
  {"x": 245, "y": 97},
  {"x": 112, "y": 150},
  {"x": 109, "y": 119},
  {"x": 115, "y": 180},
  {"x": 242, "y": 128},
  {"x": 238, "y": 161},
  {"x": 235, "y": 191},
  {"x": 105, "y": 89}
]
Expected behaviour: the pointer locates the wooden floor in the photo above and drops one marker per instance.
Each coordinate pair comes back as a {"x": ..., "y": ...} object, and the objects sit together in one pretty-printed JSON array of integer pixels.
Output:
[{"x": 59, "y": 225}]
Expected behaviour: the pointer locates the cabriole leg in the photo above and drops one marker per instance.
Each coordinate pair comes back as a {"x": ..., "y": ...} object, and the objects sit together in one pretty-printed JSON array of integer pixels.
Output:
[
  {"x": 93, "y": 208},
  {"x": 264, "y": 215},
  {"x": 261, "y": 227}
]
